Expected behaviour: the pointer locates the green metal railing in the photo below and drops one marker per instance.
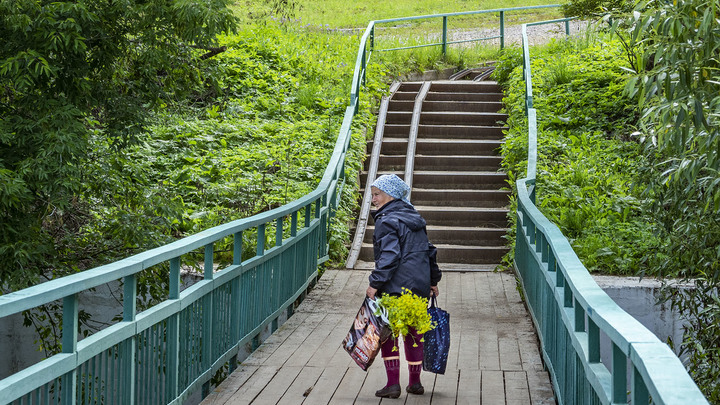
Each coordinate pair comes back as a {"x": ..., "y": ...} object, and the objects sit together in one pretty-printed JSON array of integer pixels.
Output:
[{"x": 570, "y": 311}]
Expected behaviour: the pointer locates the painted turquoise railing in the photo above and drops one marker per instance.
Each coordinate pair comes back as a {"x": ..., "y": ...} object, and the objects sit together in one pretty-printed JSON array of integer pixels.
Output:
[{"x": 570, "y": 311}]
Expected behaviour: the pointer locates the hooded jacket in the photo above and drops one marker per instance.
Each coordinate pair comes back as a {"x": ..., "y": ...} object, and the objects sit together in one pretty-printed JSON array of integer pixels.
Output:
[{"x": 403, "y": 255}]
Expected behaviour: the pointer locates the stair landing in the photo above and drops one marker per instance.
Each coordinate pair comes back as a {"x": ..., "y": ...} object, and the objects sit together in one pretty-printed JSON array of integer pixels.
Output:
[{"x": 494, "y": 356}]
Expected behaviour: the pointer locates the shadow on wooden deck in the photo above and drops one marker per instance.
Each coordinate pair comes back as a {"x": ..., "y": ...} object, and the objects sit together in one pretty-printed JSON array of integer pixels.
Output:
[{"x": 494, "y": 356}]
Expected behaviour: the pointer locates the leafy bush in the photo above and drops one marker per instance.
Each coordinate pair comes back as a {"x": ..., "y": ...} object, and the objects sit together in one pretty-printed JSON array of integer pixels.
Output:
[
  {"x": 259, "y": 134},
  {"x": 589, "y": 168}
]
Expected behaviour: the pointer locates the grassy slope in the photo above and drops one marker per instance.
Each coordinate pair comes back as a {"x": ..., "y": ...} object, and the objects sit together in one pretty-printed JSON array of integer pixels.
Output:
[{"x": 343, "y": 14}]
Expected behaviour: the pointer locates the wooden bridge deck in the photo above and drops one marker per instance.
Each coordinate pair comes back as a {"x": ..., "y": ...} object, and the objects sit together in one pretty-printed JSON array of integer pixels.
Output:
[{"x": 494, "y": 357}]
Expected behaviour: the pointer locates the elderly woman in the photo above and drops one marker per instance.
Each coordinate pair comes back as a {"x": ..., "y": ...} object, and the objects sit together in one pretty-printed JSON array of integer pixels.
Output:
[{"x": 404, "y": 258}]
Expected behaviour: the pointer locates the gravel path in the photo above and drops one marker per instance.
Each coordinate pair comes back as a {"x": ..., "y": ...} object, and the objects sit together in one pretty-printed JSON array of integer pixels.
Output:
[{"x": 513, "y": 33}]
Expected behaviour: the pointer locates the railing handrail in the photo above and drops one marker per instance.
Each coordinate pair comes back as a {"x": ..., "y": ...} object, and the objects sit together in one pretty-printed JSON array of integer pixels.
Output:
[
  {"x": 585, "y": 309},
  {"x": 460, "y": 13}
]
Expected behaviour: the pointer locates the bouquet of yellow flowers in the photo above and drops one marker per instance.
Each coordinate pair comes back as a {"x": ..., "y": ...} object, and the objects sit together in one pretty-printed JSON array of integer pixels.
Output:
[{"x": 406, "y": 311}]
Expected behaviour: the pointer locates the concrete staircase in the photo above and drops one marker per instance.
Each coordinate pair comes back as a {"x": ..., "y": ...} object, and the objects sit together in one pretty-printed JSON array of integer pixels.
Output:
[{"x": 457, "y": 185}]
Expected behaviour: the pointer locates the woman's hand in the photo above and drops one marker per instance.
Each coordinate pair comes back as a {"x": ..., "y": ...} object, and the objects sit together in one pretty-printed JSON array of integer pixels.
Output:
[
  {"x": 371, "y": 292},
  {"x": 434, "y": 291}
]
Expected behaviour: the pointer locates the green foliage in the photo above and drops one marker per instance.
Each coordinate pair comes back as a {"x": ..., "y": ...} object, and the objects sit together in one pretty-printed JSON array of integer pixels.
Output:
[
  {"x": 258, "y": 134},
  {"x": 674, "y": 47},
  {"x": 407, "y": 311},
  {"x": 588, "y": 166},
  {"x": 71, "y": 72},
  {"x": 595, "y": 8}
]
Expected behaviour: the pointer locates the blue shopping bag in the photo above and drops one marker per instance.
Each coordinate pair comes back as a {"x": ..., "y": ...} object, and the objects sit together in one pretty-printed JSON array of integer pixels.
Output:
[{"x": 437, "y": 340}]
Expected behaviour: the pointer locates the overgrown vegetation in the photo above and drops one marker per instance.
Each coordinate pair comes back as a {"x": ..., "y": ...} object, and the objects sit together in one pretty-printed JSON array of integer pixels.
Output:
[
  {"x": 257, "y": 133},
  {"x": 589, "y": 167}
]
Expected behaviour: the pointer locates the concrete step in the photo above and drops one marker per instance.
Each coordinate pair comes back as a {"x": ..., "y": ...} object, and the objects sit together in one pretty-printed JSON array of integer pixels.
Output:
[
  {"x": 401, "y": 105},
  {"x": 430, "y": 146},
  {"x": 448, "y": 118},
  {"x": 445, "y": 131},
  {"x": 459, "y": 132},
  {"x": 443, "y": 163},
  {"x": 458, "y": 235},
  {"x": 451, "y": 180},
  {"x": 450, "y": 86},
  {"x": 464, "y": 216},
  {"x": 409, "y": 87},
  {"x": 461, "y": 106},
  {"x": 453, "y": 254},
  {"x": 450, "y": 96},
  {"x": 462, "y": 198},
  {"x": 462, "y": 118}
]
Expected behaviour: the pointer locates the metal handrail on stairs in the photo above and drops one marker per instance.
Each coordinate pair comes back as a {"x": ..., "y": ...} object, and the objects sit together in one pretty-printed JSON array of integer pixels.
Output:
[{"x": 372, "y": 173}]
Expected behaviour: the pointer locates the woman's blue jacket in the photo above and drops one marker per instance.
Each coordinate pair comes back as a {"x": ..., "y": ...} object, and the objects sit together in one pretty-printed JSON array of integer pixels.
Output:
[{"x": 403, "y": 255}]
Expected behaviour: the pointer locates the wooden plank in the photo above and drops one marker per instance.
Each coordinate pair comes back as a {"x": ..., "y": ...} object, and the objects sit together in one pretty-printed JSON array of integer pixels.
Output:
[
  {"x": 276, "y": 387},
  {"x": 374, "y": 380},
  {"x": 349, "y": 387},
  {"x": 302, "y": 386},
  {"x": 296, "y": 340},
  {"x": 225, "y": 391},
  {"x": 470, "y": 387},
  {"x": 326, "y": 385},
  {"x": 314, "y": 341},
  {"x": 541, "y": 390},
  {"x": 428, "y": 381},
  {"x": 488, "y": 352},
  {"x": 516, "y": 388},
  {"x": 493, "y": 387},
  {"x": 446, "y": 388},
  {"x": 453, "y": 297},
  {"x": 247, "y": 392},
  {"x": 274, "y": 341},
  {"x": 332, "y": 344},
  {"x": 509, "y": 350},
  {"x": 316, "y": 300}
]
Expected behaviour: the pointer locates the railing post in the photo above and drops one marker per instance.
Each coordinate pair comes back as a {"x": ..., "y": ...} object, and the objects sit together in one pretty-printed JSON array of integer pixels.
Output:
[
  {"x": 128, "y": 351},
  {"x": 619, "y": 375},
  {"x": 444, "y": 35},
  {"x": 593, "y": 342},
  {"x": 579, "y": 317},
  {"x": 372, "y": 38},
  {"x": 279, "y": 232},
  {"x": 69, "y": 345},
  {"x": 502, "y": 29},
  {"x": 640, "y": 394},
  {"x": 260, "y": 240},
  {"x": 567, "y": 27},
  {"x": 173, "y": 332},
  {"x": 237, "y": 248},
  {"x": 209, "y": 325},
  {"x": 363, "y": 65}
]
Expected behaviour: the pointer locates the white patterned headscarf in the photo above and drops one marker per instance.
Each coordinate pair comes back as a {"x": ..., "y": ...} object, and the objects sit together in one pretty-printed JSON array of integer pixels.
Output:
[{"x": 393, "y": 186}]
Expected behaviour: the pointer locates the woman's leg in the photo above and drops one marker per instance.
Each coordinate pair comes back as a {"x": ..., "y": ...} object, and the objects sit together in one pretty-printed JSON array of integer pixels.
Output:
[
  {"x": 392, "y": 368},
  {"x": 392, "y": 361},
  {"x": 414, "y": 355}
]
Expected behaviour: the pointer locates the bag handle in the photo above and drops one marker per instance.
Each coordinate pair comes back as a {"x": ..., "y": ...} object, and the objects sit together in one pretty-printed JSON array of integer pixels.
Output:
[
  {"x": 378, "y": 310},
  {"x": 433, "y": 301}
]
